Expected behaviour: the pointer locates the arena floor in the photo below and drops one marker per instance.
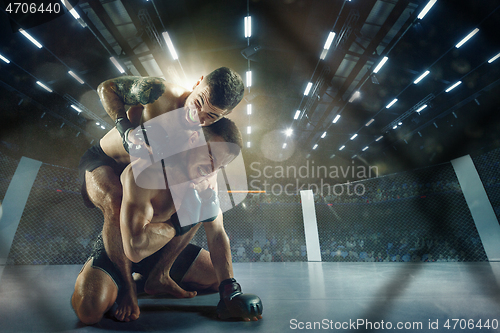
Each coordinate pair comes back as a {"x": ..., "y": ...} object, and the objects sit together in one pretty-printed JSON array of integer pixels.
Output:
[{"x": 37, "y": 299}]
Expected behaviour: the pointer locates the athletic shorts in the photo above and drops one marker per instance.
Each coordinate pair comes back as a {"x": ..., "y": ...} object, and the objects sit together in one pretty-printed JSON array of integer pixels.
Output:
[
  {"x": 177, "y": 272},
  {"x": 93, "y": 158}
]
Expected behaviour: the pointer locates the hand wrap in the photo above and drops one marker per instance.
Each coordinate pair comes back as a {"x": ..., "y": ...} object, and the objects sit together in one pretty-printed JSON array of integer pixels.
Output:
[{"x": 234, "y": 304}]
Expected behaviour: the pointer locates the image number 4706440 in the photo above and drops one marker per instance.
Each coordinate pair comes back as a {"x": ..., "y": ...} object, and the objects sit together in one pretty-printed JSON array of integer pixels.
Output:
[{"x": 28, "y": 14}]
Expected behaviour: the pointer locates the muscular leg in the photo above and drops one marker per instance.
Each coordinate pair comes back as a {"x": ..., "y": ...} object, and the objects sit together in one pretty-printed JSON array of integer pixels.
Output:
[
  {"x": 95, "y": 292},
  {"x": 105, "y": 191},
  {"x": 201, "y": 275}
]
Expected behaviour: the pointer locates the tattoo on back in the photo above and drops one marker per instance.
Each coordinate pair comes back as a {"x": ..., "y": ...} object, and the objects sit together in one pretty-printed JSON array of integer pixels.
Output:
[{"x": 139, "y": 90}]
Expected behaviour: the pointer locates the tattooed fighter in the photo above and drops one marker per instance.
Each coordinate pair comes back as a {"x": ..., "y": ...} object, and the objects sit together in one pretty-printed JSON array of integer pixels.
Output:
[{"x": 212, "y": 97}]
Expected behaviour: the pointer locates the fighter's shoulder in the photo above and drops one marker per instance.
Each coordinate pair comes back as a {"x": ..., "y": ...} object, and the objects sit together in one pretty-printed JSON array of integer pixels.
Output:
[{"x": 173, "y": 90}]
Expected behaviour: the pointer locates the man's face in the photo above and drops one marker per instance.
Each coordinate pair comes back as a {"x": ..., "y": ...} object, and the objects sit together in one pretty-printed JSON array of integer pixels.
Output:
[{"x": 198, "y": 103}]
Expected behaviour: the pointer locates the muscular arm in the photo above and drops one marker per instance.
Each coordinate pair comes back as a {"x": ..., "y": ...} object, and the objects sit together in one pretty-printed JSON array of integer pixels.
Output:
[
  {"x": 219, "y": 247},
  {"x": 140, "y": 236},
  {"x": 115, "y": 94}
]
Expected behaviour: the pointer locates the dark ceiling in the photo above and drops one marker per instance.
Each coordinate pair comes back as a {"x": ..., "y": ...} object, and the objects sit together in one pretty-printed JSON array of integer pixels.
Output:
[{"x": 288, "y": 36}]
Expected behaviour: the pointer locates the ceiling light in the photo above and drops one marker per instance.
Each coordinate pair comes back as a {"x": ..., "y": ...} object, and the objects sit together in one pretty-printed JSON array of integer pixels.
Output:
[
  {"x": 288, "y": 131},
  {"x": 4, "y": 59},
  {"x": 249, "y": 129},
  {"x": 453, "y": 86},
  {"x": 355, "y": 95},
  {"x": 419, "y": 134},
  {"x": 297, "y": 114},
  {"x": 309, "y": 85},
  {"x": 426, "y": 9},
  {"x": 391, "y": 103},
  {"x": 494, "y": 58},
  {"x": 315, "y": 146},
  {"x": 435, "y": 125},
  {"x": 249, "y": 109},
  {"x": 381, "y": 63},
  {"x": 76, "y": 77},
  {"x": 354, "y": 136},
  {"x": 33, "y": 40},
  {"x": 97, "y": 124},
  {"x": 284, "y": 145},
  {"x": 364, "y": 149},
  {"x": 323, "y": 135},
  {"x": 249, "y": 78},
  {"x": 337, "y": 117},
  {"x": 77, "y": 109},
  {"x": 422, "y": 107},
  {"x": 353, "y": 156},
  {"x": 103, "y": 127},
  {"x": 308, "y": 155},
  {"x": 248, "y": 26},
  {"x": 43, "y": 86},
  {"x": 400, "y": 123},
  {"x": 170, "y": 45},
  {"x": 469, "y": 36},
  {"x": 71, "y": 9},
  {"x": 248, "y": 144},
  {"x": 369, "y": 123},
  {"x": 395, "y": 126},
  {"x": 421, "y": 77},
  {"x": 329, "y": 40},
  {"x": 379, "y": 138},
  {"x": 117, "y": 65},
  {"x": 342, "y": 147}
]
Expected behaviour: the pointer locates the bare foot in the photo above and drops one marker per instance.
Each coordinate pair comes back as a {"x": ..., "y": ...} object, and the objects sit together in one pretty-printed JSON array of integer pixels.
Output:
[
  {"x": 165, "y": 285},
  {"x": 128, "y": 307}
]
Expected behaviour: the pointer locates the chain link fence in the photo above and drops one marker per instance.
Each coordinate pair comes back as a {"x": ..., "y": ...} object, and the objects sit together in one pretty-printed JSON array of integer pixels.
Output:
[
  {"x": 488, "y": 168},
  {"x": 411, "y": 216}
]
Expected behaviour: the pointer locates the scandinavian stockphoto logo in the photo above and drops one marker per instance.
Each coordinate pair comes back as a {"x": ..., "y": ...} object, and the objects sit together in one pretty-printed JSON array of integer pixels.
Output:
[{"x": 171, "y": 150}]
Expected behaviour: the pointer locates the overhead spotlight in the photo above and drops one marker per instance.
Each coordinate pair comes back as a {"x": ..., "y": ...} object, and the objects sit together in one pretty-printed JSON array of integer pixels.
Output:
[
  {"x": 422, "y": 107},
  {"x": 332, "y": 155},
  {"x": 494, "y": 58},
  {"x": 248, "y": 144},
  {"x": 31, "y": 39},
  {"x": 337, "y": 117},
  {"x": 249, "y": 78},
  {"x": 170, "y": 45},
  {"x": 315, "y": 146},
  {"x": 76, "y": 108},
  {"x": 297, "y": 114},
  {"x": 435, "y": 125},
  {"x": 454, "y": 114},
  {"x": 98, "y": 124},
  {"x": 308, "y": 88},
  {"x": 323, "y": 135},
  {"x": 103, "y": 127},
  {"x": 369, "y": 123},
  {"x": 354, "y": 136},
  {"x": 469, "y": 36},
  {"x": 328, "y": 43},
  {"x": 249, "y": 109},
  {"x": 395, "y": 126},
  {"x": 391, "y": 103},
  {"x": 117, "y": 64},
  {"x": 76, "y": 77},
  {"x": 400, "y": 123},
  {"x": 342, "y": 147},
  {"x": 249, "y": 129},
  {"x": 380, "y": 64},
  {"x": 453, "y": 86},
  {"x": 353, "y": 156},
  {"x": 248, "y": 26},
  {"x": 4, "y": 59},
  {"x": 43, "y": 86},
  {"x": 421, "y": 77},
  {"x": 288, "y": 131},
  {"x": 379, "y": 138},
  {"x": 284, "y": 145},
  {"x": 364, "y": 149}
]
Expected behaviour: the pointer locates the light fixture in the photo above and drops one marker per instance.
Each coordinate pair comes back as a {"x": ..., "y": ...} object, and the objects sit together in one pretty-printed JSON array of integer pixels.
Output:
[
  {"x": 332, "y": 155},
  {"x": 323, "y": 135},
  {"x": 421, "y": 77},
  {"x": 170, "y": 45},
  {"x": 422, "y": 107},
  {"x": 315, "y": 146},
  {"x": 308, "y": 88},
  {"x": 364, "y": 149},
  {"x": 117, "y": 64},
  {"x": 288, "y": 131},
  {"x": 355, "y": 95},
  {"x": 43, "y": 86},
  {"x": 76, "y": 77},
  {"x": 337, "y": 117},
  {"x": 353, "y": 156},
  {"x": 249, "y": 78},
  {"x": 71, "y": 9},
  {"x": 284, "y": 145},
  {"x": 379, "y": 138},
  {"x": 435, "y": 125},
  {"x": 33, "y": 40},
  {"x": 380, "y": 64},
  {"x": 248, "y": 26},
  {"x": 4, "y": 59},
  {"x": 97, "y": 124},
  {"x": 395, "y": 126},
  {"x": 426, "y": 9},
  {"x": 469, "y": 36},
  {"x": 103, "y": 127},
  {"x": 328, "y": 43},
  {"x": 400, "y": 123},
  {"x": 249, "y": 130},
  {"x": 308, "y": 155},
  {"x": 369, "y": 123},
  {"x": 342, "y": 147},
  {"x": 391, "y": 103},
  {"x": 297, "y": 114},
  {"x": 354, "y": 136},
  {"x": 494, "y": 58},
  {"x": 249, "y": 109},
  {"x": 453, "y": 86},
  {"x": 419, "y": 134},
  {"x": 248, "y": 144},
  {"x": 77, "y": 109}
]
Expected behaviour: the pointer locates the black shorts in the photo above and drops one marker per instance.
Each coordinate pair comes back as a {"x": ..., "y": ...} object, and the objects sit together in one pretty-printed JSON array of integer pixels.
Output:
[
  {"x": 179, "y": 269},
  {"x": 93, "y": 158}
]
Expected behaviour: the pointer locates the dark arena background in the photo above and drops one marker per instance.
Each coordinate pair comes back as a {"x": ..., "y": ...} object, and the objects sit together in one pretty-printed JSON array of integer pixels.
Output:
[{"x": 371, "y": 150}]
